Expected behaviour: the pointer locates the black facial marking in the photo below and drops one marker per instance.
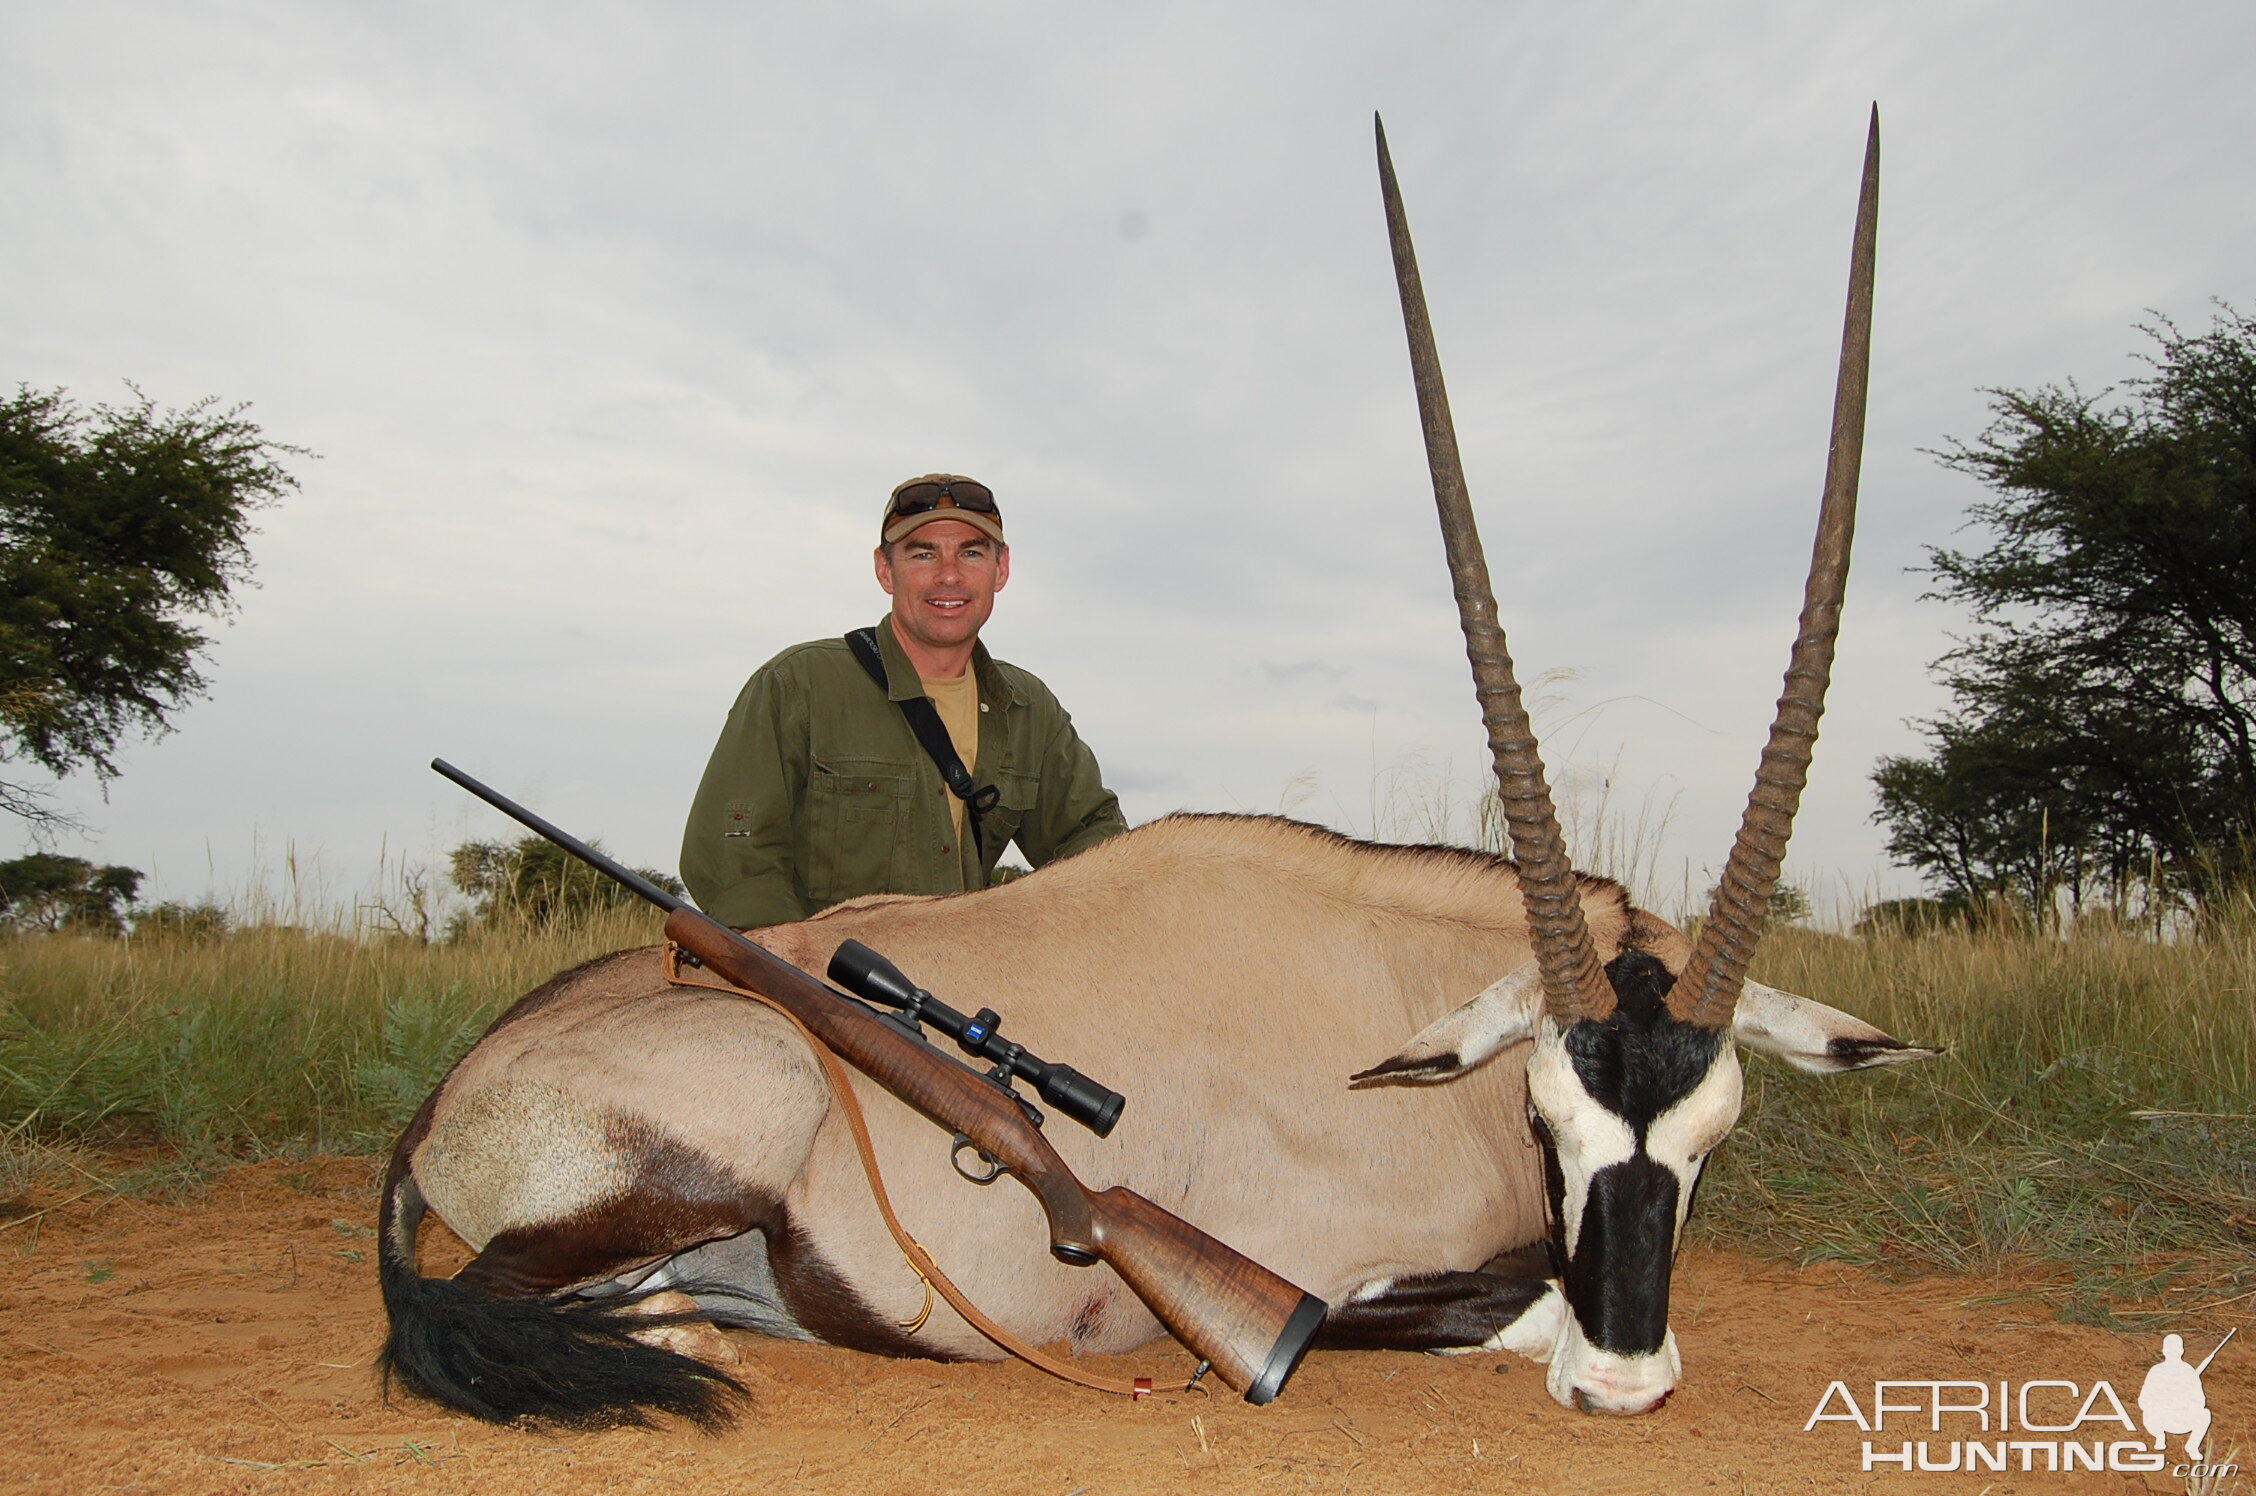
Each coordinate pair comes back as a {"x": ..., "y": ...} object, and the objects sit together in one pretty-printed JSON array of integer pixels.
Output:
[
  {"x": 1554, "y": 1193},
  {"x": 1641, "y": 1061},
  {"x": 1637, "y": 1063},
  {"x": 1699, "y": 1177},
  {"x": 1618, "y": 1278}
]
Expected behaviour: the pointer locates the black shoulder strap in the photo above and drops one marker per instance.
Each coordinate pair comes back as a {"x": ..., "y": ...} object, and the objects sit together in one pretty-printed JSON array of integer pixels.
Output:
[{"x": 924, "y": 721}]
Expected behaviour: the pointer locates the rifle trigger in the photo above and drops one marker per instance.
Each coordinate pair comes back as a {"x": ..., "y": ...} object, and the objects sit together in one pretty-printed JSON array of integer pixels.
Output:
[{"x": 955, "y": 1156}]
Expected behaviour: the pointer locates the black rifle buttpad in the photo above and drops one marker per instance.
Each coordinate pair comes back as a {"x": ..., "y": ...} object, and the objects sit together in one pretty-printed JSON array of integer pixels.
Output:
[{"x": 1284, "y": 1356}]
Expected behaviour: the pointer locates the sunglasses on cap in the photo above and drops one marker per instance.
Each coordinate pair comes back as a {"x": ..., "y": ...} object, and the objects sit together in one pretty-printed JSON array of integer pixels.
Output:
[{"x": 923, "y": 498}]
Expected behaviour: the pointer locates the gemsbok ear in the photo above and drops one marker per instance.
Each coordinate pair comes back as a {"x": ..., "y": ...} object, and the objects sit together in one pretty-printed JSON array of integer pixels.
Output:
[
  {"x": 1810, "y": 1036},
  {"x": 1501, "y": 1016}
]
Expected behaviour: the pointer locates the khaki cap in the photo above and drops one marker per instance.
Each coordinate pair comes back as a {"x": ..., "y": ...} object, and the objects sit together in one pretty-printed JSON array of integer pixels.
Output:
[{"x": 975, "y": 507}]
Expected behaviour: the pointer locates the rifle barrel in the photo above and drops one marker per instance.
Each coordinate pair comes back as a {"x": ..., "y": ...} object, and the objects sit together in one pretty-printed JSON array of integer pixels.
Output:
[{"x": 570, "y": 843}]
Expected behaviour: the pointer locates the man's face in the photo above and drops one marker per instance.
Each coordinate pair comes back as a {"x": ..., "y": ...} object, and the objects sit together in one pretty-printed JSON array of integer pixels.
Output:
[{"x": 943, "y": 579}]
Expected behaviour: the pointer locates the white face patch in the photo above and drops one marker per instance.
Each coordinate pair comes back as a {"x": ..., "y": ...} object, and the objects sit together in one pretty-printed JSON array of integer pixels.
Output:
[
  {"x": 1585, "y": 1137},
  {"x": 1682, "y": 1137}
]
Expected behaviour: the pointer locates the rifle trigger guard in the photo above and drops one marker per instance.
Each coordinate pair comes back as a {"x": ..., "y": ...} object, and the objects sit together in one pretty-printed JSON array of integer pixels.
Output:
[{"x": 955, "y": 1156}]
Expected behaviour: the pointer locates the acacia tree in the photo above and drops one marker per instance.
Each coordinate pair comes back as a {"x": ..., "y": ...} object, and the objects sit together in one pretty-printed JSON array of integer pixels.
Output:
[
  {"x": 118, "y": 527},
  {"x": 536, "y": 881},
  {"x": 45, "y": 892},
  {"x": 2103, "y": 732}
]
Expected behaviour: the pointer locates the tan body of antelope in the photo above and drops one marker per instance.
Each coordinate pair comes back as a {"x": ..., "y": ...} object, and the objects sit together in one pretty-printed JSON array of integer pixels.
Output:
[{"x": 1373, "y": 1069}]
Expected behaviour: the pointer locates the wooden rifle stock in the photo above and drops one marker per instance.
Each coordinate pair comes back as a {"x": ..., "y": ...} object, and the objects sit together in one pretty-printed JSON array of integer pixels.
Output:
[{"x": 1249, "y": 1324}]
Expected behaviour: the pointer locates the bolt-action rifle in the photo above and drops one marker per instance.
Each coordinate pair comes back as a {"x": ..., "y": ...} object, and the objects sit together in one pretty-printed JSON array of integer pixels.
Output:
[{"x": 1249, "y": 1324}]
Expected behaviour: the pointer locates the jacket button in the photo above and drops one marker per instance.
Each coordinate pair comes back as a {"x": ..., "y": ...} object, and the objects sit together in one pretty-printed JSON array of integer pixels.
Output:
[
  {"x": 944, "y": 849},
  {"x": 873, "y": 786}
]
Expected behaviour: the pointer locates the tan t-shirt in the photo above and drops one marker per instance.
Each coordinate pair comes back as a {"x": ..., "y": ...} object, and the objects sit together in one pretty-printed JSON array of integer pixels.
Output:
[{"x": 957, "y": 702}]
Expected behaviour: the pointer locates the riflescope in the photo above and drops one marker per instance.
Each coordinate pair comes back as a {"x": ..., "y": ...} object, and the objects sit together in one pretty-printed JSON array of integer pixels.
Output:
[{"x": 872, "y": 978}]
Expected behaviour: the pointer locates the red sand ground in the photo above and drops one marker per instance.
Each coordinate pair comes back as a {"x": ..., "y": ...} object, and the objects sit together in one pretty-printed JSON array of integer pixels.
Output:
[{"x": 224, "y": 1345}]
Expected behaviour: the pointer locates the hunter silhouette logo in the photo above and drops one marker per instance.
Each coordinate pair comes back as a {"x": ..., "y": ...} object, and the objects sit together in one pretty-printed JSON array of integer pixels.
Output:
[
  {"x": 2170, "y": 1401},
  {"x": 1992, "y": 1425}
]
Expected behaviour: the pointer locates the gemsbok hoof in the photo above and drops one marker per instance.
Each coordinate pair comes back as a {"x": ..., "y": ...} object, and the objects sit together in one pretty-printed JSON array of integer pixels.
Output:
[{"x": 700, "y": 1340}]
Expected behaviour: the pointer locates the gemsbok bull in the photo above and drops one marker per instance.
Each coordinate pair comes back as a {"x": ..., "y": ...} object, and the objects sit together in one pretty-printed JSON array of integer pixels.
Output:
[{"x": 615, "y": 1140}]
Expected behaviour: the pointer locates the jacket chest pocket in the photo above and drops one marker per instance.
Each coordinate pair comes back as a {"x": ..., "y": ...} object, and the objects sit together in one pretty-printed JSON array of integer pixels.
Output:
[
  {"x": 1016, "y": 796},
  {"x": 852, "y": 838}
]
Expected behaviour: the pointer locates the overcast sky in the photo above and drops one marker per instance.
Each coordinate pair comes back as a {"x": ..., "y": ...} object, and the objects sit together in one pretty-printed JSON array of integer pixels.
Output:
[{"x": 612, "y": 325}]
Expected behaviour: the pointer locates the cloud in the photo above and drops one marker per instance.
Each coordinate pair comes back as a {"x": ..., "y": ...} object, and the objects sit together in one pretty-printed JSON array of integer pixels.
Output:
[
  {"x": 1301, "y": 671},
  {"x": 613, "y": 327}
]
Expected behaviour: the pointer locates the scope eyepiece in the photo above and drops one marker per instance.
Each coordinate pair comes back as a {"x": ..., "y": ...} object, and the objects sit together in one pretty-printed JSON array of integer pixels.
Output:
[{"x": 1093, "y": 1106}]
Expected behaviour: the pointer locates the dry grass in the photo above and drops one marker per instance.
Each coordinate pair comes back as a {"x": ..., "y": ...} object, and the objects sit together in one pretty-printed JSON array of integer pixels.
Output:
[
  {"x": 272, "y": 1040},
  {"x": 2096, "y": 1111}
]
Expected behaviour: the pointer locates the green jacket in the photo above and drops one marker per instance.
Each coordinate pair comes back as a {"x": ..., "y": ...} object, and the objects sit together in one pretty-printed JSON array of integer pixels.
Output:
[{"x": 817, "y": 790}]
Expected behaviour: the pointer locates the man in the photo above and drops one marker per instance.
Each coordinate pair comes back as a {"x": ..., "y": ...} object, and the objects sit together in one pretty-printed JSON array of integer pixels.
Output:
[
  {"x": 819, "y": 789},
  {"x": 2171, "y": 1401}
]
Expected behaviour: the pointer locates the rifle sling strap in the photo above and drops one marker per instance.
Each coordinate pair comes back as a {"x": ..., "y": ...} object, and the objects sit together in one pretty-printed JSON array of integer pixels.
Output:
[
  {"x": 919, "y": 1260},
  {"x": 924, "y": 721}
]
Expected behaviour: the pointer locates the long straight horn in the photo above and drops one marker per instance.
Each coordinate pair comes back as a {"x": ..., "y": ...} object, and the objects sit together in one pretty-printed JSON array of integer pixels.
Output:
[
  {"x": 1708, "y": 989},
  {"x": 1574, "y": 985}
]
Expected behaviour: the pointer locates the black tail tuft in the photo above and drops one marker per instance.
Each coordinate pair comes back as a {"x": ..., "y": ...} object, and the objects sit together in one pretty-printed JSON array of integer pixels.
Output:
[{"x": 553, "y": 1360}]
